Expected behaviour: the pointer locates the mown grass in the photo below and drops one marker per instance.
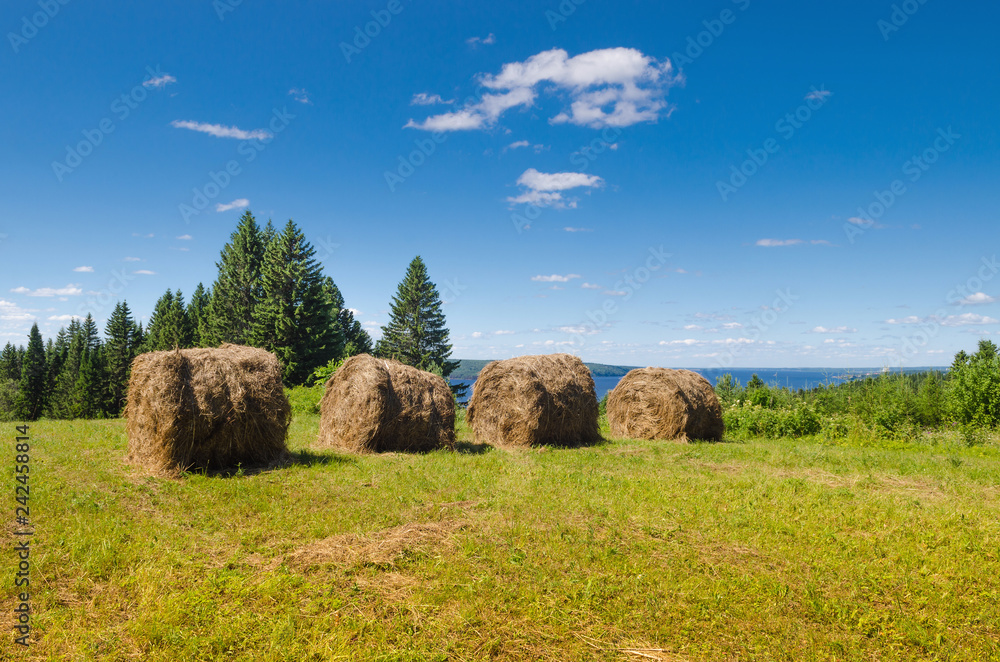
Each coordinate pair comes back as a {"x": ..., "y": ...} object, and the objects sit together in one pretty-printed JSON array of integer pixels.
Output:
[{"x": 759, "y": 549}]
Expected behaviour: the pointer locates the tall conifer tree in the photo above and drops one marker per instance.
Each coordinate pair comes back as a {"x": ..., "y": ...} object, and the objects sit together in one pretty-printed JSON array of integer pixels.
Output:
[
  {"x": 31, "y": 390},
  {"x": 121, "y": 347},
  {"x": 237, "y": 290},
  {"x": 295, "y": 319},
  {"x": 416, "y": 334}
]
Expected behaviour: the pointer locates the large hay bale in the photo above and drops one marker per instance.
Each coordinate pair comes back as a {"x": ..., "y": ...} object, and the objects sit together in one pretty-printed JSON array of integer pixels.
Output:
[
  {"x": 658, "y": 403},
  {"x": 212, "y": 409},
  {"x": 375, "y": 405},
  {"x": 533, "y": 400}
]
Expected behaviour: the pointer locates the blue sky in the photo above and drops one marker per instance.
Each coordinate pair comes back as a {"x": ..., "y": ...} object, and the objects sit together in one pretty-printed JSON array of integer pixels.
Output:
[{"x": 707, "y": 184}]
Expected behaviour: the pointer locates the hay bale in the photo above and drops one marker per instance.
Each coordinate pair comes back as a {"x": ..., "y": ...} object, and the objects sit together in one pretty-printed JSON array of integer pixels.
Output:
[
  {"x": 207, "y": 408},
  {"x": 375, "y": 405},
  {"x": 657, "y": 403},
  {"x": 533, "y": 400}
]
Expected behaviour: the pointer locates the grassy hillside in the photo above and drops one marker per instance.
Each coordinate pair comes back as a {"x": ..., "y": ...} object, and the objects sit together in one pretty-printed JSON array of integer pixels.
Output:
[
  {"x": 628, "y": 550},
  {"x": 469, "y": 369}
]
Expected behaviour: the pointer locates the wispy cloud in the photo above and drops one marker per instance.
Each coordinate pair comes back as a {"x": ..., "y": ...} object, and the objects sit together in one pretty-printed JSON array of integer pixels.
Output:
[
  {"x": 70, "y": 290},
  {"x": 160, "y": 82},
  {"x": 131, "y": 259},
  {"x": 607, "y": 87},
  {"x": 578, "y": 229},
  {"x": 220, "y": 131},
  {"x": 555, "y": 278},
  {"x": 836, "y": 329},
  {"x": 545, "y": 189},
  {"x": 976, "y": 299},
  {"x": 185, "y": 237},
  {"x": 770, "y": 243},
  {"x": 300, "y": 95},
  {"x": 965, "y": 319},
  {"x": 235, "y": 204},
  {"x": 424, "y": 99},
  {"x": 63, "y": 318},
  {"x": 84, "y": 270},
  {"x": 11, "y": 312},
  {"x": 473, "y": 41},
  {"x": 145, "y": 272},
  {"x": 819, "y": 95},
  {"x": 590, "y": 286}
]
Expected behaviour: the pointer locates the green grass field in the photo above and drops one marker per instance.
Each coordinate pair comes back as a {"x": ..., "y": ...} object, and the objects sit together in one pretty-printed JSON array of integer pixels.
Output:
[{"x": 630, "y": 550}]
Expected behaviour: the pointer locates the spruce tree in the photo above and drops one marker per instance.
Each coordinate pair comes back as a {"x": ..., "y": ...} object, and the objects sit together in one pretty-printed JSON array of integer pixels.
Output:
[
  {"x": 121, "y": 347},
  {"x": 169, "y": 326},
  {"x": 31, "y": 390},
  {"x": 10, "y": 363},
  {"x": 416, "y": 334},
  {"x": 60, "y": 404},
  {"x": 198, "y": 313},
  {"x": 238, "y": 289},
  {"x": 295, "y": 318},
  {"x": 89, "y": 392},
  {"x": 356, "y": 339}
]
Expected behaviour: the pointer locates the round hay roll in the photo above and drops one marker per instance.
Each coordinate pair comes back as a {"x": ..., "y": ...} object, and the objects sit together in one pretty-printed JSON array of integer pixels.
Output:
[
  {"x": 658, "y": 403},
  {"x": 212, "y": 408},
  {"x": 533, "y": 400},
  {"x": 375, "y": 405}
]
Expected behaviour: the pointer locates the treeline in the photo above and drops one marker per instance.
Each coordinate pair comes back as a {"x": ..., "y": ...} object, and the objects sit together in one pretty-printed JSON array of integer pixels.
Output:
[
  {"x": 965, "y": 399},
  {"x": 270, "y": 292}
]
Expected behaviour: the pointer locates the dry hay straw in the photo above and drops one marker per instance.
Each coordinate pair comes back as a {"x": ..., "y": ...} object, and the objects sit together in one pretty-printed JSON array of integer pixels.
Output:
[
  {"x": 213, "y": 409},
  {"x": 380, "y": 548},
  {"x": 658, "y": 403},
  {"x": 376, "y": 405},
  {"x": 534, "y": 400}
]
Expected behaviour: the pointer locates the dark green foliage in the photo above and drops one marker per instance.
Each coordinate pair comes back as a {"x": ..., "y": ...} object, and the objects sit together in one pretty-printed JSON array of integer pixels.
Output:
[
  {"x": 169, "y": 326},
  {"x": 90, "y": 394},
  {"x": 31, "y": 389},
  {"x": 8, "y": 399},
  {"x": 416, "y": 334},
  {"x": 121, "y": 347},
  {"x": 974, "y": 397},
  {"x": 10, "y": 363},
  {"x": 239, "y": 287},
  {"x": 295, "y": 318},
  {"x": 198, "y": 314}
]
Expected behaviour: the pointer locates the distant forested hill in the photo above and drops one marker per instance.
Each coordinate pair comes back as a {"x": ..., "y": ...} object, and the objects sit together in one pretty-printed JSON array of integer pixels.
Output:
[{"x": 469, "y": 369}]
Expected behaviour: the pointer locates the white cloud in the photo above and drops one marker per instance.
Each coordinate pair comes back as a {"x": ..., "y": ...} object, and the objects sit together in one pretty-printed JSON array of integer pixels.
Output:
[
  {"x": 615, "y": 293},
  {"x": 977, "y": 298},
  {"x": 503, "y": 333},
  {"x": 239, "y": 203},
  {"x": 159, "y": 82},
  {"x": 220, "y": 131},
  {"x": 477, "y": 334},
  {"x": 517, "y": 145},
  {"x": 300, "y": 95},
  {"x": 836, "y": 329},
  {"x": 607, "y": 87},
  {"x": 185, "y": 237},
  {"x": 687, "y": 341},
  {"x": 578, "y": 229},
  {"x": 145, "y": 272},
  {"x": 11, "y": 312},
  {"x": 85, "y": 270},
  {"x": 819, "y": 95},
  {"x": 131, "y": 259},
  {"x": 778, "y": 242},
  {"x": 732, "y": 325},
  {"x": 70, "y": 290},
  {"x": 544, "y": 189},
  {"x": 590, "y": 286},
  {"x": 555, "y": 278},
  {"x": 491, "y": 39},
  {"x": 63, "y": 318},
  {"x": 965, "y": 319},
  {"x": 424, "y": 99},
  {"x": 693, "y": 327}
]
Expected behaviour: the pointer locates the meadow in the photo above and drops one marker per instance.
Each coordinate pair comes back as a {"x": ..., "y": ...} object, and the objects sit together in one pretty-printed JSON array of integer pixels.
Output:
[{"x": 752, "y": 548}]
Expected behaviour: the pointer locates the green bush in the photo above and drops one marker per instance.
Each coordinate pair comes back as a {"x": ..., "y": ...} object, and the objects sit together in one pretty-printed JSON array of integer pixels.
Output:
[
  {"x": 305, "y": 399},
  {"x": 747, "y": 420},
  {"x": 974, "y": 389}
]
